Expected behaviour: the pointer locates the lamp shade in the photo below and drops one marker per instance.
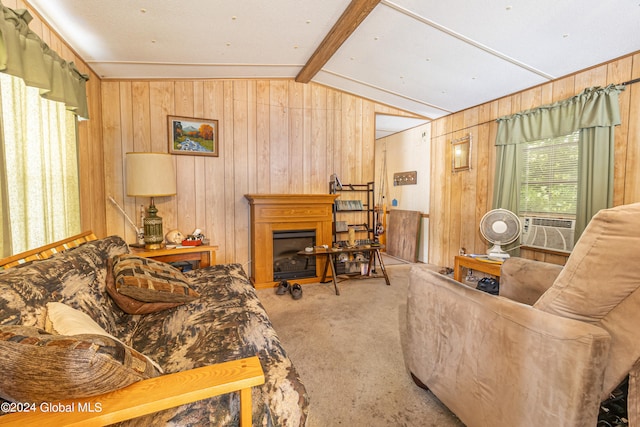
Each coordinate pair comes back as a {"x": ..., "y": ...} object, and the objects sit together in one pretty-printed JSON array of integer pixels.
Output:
[{"x": 150, "y": 175}]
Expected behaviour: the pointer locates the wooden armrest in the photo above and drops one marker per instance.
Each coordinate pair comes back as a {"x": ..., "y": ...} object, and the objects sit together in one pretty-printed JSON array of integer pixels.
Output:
[
  {"x": 152, "y": 395},
  {"x": 47, "y": 251}
]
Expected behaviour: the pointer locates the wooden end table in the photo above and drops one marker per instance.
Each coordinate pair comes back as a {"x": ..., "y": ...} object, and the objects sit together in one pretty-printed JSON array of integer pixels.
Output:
[
  {"x": 461, "y": 261},
  {"x": 202, "y": 255}
]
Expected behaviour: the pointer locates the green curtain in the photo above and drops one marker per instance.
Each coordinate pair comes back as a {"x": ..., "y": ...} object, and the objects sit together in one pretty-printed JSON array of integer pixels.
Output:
[
  {"x": 506, "y": 192},
  {"x": 595, "y": 173},
  {"x": 23, "y": 54},
  {"x": 595, "y": 112}
]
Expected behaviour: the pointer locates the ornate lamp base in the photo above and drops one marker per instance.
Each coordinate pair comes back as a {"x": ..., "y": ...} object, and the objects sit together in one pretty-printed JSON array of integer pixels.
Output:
[{"x": 153, "y": 236}]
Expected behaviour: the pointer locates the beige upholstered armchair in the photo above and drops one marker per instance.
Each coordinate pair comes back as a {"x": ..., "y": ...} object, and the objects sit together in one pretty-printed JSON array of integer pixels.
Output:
[{"x": 550, "y": 348}]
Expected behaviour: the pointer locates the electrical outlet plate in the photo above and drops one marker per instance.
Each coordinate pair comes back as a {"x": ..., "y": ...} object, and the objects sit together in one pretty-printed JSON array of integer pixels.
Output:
[{"x": 405, "y": 178}]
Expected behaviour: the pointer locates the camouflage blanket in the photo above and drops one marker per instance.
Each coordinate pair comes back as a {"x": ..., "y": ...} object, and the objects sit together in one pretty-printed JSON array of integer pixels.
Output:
[{"x": 227, "y": 322}]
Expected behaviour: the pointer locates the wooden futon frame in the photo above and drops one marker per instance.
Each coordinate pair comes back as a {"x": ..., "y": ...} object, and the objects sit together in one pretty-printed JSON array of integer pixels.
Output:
[{"x": 147, "y": 396}]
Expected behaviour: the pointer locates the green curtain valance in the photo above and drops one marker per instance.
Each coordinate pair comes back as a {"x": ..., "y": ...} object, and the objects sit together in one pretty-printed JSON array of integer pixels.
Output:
[
  {"x": 23, "y": 54},
  {"x": 593, "y": 107}
]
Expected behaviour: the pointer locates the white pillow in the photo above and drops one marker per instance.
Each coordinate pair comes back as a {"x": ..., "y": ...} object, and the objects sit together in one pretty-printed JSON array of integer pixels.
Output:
[{"x": 64, "y": 320}]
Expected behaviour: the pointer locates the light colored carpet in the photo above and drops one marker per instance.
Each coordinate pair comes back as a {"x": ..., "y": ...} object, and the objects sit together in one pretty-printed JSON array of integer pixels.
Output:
[
  {"x": 391, "y": 260},
  {"x": 349, "y": 351}
]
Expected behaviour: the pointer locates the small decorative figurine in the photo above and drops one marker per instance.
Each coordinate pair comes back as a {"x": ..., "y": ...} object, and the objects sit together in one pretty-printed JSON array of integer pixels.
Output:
[{"x": 174, "y": 237}]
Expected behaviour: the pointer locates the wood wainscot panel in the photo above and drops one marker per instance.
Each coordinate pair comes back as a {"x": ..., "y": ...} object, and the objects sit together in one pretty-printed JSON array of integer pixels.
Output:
[{"x": 278, "y": 212}]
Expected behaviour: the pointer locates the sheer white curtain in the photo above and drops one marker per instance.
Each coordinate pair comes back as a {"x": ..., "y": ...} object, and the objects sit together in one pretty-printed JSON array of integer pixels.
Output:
[{"x": 39, "y": 191}]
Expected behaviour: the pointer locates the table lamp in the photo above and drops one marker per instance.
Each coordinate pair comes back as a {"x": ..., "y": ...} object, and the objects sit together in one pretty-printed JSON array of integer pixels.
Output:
[{"x": 151, "y": 175}]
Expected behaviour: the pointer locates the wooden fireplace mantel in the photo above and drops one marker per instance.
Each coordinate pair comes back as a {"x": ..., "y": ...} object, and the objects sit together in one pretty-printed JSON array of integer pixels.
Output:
[
  {"x": 291, "y": 199},
  {"x": 277, "y": 212}
]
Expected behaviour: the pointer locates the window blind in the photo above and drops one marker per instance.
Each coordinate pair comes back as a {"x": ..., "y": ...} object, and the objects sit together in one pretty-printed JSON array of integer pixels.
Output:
[{"x": 549, "y": 177}]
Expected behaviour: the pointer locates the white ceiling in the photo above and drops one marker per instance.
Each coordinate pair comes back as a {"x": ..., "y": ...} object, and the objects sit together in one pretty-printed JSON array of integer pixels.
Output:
[{"x": 429, "y": 57}]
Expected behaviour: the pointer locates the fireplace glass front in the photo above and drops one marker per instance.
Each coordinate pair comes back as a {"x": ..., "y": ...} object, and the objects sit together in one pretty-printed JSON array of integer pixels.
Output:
[{"x": 287, "y": 264}]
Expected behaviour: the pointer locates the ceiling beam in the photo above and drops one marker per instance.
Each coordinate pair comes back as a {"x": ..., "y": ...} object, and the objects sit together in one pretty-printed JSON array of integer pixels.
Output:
[{"x": 352, "y": 16}]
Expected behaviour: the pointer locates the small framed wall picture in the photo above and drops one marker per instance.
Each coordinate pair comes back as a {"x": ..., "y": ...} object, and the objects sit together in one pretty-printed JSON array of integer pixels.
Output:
[{"x": 195, "y": 137}]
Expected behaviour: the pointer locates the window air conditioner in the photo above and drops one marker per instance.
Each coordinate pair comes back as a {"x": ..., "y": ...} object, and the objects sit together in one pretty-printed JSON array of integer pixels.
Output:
[{"x": 548, "y": 233}]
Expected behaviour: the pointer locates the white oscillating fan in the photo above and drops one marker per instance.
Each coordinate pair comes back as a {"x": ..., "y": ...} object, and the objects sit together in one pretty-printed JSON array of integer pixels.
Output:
[{"x": 500, "y": 227}]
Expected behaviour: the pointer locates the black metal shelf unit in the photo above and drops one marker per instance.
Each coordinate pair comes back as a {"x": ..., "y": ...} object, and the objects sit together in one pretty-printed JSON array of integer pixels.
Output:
[{"x": 353, "y": 208}]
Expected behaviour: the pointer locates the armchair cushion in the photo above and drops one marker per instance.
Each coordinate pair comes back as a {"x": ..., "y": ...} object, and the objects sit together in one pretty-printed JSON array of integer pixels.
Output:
[
  {"x": 525, "y": 280},
  {"x": 597, "y": 276}
]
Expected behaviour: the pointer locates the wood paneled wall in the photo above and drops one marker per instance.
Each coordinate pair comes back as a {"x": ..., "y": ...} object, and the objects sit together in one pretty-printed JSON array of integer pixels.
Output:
[
  {"x": 458, "y": 201},
  {"x": 276, "y": 136}
]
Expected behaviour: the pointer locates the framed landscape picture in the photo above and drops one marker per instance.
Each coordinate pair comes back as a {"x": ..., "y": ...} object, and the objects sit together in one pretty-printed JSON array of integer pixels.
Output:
[{"x": 195, "y": 137}]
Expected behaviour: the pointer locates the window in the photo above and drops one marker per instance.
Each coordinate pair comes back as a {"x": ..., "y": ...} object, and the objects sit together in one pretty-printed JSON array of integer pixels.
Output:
[
  {"x": 549, "y": 177},
  {"x": 41, "y": 204}
]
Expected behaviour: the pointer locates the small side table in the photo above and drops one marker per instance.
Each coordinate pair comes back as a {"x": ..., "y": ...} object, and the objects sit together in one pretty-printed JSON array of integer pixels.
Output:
[
  {"x": 374, "y": 252},
  {"x": 489, "y": 267},
  {"x": 203, "y": 256}
]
